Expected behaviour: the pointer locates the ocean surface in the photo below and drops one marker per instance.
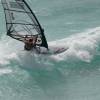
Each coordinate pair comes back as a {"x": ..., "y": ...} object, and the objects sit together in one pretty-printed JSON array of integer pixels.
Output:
[{"x": 72, "y": 75}]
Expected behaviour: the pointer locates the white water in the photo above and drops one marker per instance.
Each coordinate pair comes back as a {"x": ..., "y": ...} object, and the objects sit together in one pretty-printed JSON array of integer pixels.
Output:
[{"x": 81, "y": 46}]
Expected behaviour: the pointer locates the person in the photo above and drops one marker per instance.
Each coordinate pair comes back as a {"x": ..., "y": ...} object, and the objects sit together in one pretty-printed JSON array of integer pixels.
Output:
[{"x": 29, "y": 43}]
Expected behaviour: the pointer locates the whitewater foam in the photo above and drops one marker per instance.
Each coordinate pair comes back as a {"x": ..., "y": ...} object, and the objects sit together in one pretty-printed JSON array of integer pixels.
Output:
[
  {"x": 81, "y": 46},
  {"x": 5, "y": 71}
]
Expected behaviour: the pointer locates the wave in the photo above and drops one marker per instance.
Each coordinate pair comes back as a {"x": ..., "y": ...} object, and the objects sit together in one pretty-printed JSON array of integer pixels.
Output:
[{"x": 81, "y": 47}]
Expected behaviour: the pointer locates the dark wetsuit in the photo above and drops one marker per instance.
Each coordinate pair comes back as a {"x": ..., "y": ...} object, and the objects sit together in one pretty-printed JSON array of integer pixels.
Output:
[{"x": 28, "y": 46}]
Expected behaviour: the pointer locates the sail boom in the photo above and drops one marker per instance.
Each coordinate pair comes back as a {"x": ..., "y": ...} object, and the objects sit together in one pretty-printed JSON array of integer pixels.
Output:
[
  {"x": 22, "y": 24},
  {"x": 16, "y": 11}
]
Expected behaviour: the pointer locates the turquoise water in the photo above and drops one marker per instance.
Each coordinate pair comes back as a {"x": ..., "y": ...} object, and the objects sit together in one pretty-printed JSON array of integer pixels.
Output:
[{"x": 72, "y": 75}]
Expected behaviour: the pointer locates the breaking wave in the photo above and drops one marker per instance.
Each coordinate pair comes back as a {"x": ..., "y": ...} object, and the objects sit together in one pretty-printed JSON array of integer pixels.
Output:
[{"x": 81, "y": 47}]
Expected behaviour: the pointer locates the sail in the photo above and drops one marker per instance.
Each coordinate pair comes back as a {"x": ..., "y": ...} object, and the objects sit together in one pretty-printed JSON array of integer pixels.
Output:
[{"x": 22, "y": 22}]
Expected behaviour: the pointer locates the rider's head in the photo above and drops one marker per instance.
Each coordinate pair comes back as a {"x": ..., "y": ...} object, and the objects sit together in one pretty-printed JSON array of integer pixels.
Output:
[{"x": 30, "y": 40}]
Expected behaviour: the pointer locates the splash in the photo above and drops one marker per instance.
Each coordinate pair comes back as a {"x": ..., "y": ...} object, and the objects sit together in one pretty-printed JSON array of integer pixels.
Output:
[
  {"x": 5, "y": 71},
  {"x": 81, "y": 46}
]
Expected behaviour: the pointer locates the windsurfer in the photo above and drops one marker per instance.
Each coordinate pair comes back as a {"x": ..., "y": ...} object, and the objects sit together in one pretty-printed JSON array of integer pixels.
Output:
[
  {"x": 28, "y": 31},
  {"x": 29, "y": 43}
]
